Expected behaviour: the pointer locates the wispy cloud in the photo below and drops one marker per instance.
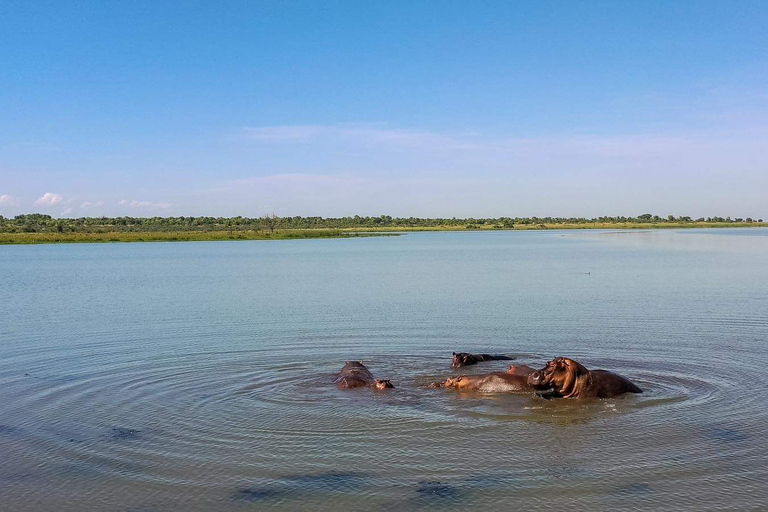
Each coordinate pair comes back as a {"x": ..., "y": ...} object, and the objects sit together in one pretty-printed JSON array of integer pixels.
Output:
[
  {"x": 434, "y": 173},
  {"x": 597, "y": 146},
  {"x": 6, "y": 200},
  {"x": 48, "y": 199},
  {"x": 363, "y": 135},
  {"x": 294, "y": 179},
  {"x": 67, "y": 211},
  {"x": 348, "y": 194},
  {"x": 144, "y": 205},
  {"x": 89, "y": 204},
  {"x": 485, "y": 148}
]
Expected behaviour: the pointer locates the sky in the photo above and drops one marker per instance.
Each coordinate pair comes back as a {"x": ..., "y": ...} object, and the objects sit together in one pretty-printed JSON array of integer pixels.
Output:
[{"x": 403, "y": 108}]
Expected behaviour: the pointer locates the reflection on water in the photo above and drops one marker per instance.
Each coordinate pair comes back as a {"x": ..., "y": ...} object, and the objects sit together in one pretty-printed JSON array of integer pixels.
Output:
[{"x": 198, "y": 376}]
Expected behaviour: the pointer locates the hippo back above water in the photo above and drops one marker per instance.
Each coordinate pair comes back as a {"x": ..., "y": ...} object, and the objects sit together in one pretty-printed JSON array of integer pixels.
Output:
[
  {"x": 497, "y": 382},
  {"x": 520, "y": 369},
  {"x": 354, "y": 374},
  {"x": 465, "y": 358}
]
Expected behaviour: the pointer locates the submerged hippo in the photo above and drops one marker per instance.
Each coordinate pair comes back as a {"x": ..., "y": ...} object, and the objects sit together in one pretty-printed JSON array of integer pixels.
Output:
[
  {"x": 465, "y": 358},
  {"x": 566, "y": 378},
  {"x": 520, "y": 369},
  {"x": 356, "y": 375},
  {"x": 497, "y": 382}
]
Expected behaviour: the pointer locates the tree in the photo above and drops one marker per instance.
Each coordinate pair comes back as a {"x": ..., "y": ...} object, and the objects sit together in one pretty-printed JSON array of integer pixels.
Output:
[{"x": 269, "y": 221}]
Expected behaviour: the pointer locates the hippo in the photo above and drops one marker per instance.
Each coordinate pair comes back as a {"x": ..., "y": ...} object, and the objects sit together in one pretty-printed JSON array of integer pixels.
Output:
[
  {"x": 565, "y": 378},
  {"x": 356, "y": 375},
  {"x": 465, "y": 359},
  {"x": 520, "y": 369},
  {"x": 497, "y": 382}
]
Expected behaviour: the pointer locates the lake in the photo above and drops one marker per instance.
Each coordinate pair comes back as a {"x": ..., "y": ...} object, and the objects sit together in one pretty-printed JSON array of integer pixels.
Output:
[{"x": 197, "y": 376}]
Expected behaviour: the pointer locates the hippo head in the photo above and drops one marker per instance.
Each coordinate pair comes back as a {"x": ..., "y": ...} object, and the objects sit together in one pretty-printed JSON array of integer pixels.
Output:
[
  {"x": 452, "y": 382},
  {"x": 460, "y": 359},
  {"x": 560, "y": 375},
  {"x": 380, "y": 384}
]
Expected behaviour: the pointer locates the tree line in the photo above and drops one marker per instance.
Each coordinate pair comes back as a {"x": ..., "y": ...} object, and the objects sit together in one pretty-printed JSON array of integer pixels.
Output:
[{"x": 41, "y": 223}]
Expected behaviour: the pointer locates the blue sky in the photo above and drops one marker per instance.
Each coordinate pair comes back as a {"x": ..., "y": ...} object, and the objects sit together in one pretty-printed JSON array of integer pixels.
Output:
[{"x": 405, "y": 108}]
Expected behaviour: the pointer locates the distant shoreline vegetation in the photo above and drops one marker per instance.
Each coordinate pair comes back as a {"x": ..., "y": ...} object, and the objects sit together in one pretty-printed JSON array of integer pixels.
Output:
[{"x": 39, "y": 228}]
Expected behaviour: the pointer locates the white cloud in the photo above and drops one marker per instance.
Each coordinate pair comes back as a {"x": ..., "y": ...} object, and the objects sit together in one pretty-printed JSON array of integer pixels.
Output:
[
  {"x": 68, "y": 211},
  {"x": 144, "y": 205},
  {"x": 6, "y": 200},
  {"x": 48, "y": 199},
  {"x": 88, "y": 204}
]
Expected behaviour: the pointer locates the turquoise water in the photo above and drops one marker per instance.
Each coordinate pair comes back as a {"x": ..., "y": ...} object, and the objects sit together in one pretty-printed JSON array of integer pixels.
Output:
[{"x": 197, "y": 376}]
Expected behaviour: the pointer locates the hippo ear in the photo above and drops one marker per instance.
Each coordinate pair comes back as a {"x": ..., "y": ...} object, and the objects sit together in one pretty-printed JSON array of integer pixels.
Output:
[
  {"x": 454, "y": 353},
  {"x": 360, "y": 362}
]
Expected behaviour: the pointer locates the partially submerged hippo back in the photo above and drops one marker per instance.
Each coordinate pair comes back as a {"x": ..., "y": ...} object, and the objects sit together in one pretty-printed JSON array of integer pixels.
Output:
[
  {"x": 497, "y": 382},
  {"x": 465, "y": 358},
  {"x": 520, "y": 369},
  {"x": 356, "y": 375},
  {"x": 566, "y": 378}
]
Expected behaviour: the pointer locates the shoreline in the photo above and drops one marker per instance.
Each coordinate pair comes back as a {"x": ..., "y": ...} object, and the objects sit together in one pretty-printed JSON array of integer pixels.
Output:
[
  {"x": 308, "y": 234},
  {"x": 174, "y": 236},
  {"x": 586, "y": 226}
]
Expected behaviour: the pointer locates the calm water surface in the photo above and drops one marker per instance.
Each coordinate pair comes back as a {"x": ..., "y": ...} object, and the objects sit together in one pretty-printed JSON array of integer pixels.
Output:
[{"x": 197, "y": 376}]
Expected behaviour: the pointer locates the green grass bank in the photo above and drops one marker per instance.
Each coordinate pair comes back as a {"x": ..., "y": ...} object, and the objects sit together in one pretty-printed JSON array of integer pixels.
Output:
[{"x": 175, "y": 236}]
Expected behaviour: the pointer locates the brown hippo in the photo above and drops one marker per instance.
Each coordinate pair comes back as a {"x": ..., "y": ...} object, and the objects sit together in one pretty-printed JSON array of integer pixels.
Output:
[
  {"x": 356, "y": 375},
  {"x": 497, "y": 382},
  {"x": 520, "y": 369},
  {"x": 465, "y": 358},
  {"x": 568, "y": 379}
]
